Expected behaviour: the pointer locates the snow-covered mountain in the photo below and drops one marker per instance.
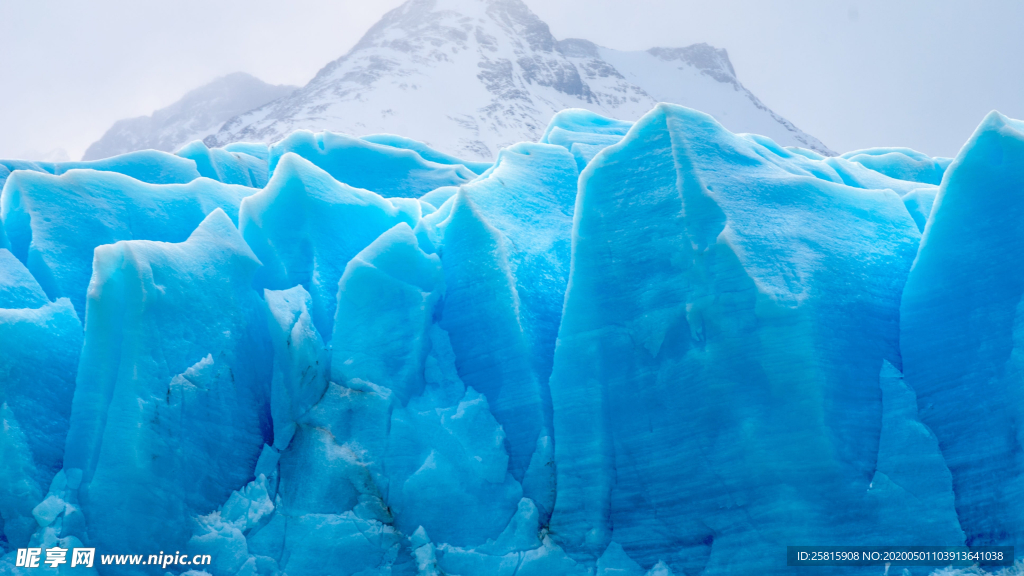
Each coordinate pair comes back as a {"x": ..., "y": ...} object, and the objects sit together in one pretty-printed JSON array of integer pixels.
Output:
[
  {"x": 472, "y": 76},
  {"x": 198, "y": 114}
]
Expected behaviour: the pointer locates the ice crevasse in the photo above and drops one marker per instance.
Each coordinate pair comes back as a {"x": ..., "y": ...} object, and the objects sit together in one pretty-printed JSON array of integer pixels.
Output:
[{"x": 641, "y": 349}]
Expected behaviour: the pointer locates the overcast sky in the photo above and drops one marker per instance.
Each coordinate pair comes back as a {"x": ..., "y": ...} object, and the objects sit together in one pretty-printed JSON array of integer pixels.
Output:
[{"x": 855, "y": 74}]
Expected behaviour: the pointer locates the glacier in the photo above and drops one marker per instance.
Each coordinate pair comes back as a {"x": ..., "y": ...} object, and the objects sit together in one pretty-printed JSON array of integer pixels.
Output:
[{"x": 641, "y": 348}]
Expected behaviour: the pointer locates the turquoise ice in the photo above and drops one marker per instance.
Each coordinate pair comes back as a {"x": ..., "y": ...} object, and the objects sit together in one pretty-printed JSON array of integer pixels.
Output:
[
  {"x": 53, "y": 223},
  {"x": 390, "y": 168},
  {"x": 961, "y": 332},
  {"x": 40, "y": 341},
  {"x": 642, "y": 348}
]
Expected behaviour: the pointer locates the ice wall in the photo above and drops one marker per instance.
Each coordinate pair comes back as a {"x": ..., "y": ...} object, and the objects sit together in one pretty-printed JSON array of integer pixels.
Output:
[
  {"x": 652, "y": 348},
  {"x": 961, "y": 329},
  {"x": 728, "y": 312}
]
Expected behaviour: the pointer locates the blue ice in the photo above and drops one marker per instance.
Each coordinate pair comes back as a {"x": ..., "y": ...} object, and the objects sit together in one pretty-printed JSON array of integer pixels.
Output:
[
  {"x": 645, "y": 348},
  {"x": 382, "y": 168}
]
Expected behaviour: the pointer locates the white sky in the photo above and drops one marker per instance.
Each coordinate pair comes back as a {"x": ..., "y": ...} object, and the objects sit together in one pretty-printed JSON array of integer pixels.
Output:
[{"x": 854, "y": 73}]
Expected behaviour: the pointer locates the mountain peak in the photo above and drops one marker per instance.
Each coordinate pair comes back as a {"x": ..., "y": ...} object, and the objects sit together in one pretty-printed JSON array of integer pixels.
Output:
[
  {"x": 443, "y": 22},
  {"x": 470, "y": 77}
]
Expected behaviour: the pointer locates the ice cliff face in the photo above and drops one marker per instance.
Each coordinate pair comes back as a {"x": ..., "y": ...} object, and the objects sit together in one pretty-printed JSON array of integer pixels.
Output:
[
  {"x": 199, "y": 113},
  {"x": 633, "y": 349},
  {"x": 470, "y": 77}
]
